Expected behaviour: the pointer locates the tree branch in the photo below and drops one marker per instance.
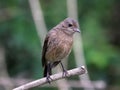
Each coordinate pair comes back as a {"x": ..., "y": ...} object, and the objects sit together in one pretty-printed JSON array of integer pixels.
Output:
[{"x": 77, "y": 71}]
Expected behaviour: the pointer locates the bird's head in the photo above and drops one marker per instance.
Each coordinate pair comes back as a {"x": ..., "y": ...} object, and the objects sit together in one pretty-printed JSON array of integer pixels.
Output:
[{"x": 70, "y": 26}]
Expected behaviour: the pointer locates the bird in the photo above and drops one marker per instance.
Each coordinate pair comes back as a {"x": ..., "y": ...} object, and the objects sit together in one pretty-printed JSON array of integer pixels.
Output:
[{"x": 57, "y": 45}]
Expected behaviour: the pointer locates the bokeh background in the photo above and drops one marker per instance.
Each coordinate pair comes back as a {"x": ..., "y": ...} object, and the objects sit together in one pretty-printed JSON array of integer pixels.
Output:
[{"x": 23, "y": 26}]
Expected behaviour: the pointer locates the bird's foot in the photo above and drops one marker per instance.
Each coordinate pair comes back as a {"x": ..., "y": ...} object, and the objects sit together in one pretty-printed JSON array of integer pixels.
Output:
[
  {"x": 49, "y": 79},
  {"x": 65, "y": 73}
]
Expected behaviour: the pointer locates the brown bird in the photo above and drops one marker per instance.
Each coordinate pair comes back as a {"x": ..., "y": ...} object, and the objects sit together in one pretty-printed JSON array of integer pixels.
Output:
[{"x": 57, "y": 45}]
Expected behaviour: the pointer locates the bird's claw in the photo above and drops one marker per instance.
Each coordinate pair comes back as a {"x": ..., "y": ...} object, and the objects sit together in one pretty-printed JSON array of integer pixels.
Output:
[
  {"x": 65, "y": 73},
  {"x": 49, "y": 79}
]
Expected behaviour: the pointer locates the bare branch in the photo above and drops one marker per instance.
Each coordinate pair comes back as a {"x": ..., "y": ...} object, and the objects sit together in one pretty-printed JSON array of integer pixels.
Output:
[{"x": 77, "y": 71}]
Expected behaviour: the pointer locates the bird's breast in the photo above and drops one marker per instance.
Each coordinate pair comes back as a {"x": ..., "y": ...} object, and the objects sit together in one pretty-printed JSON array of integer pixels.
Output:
[{"x": 60, "y": 48}]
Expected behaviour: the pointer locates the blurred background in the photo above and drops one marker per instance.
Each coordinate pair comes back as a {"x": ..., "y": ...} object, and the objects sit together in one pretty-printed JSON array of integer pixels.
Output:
[{"x": 24, "y": 24}]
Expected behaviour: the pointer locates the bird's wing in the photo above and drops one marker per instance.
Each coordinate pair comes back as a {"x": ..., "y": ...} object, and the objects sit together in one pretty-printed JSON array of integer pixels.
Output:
[{"x": 45, "y": 46}]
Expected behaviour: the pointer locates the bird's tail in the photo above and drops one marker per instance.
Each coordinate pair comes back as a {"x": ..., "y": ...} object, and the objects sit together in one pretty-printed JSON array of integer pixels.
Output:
[{"x": 47, "y": 70}]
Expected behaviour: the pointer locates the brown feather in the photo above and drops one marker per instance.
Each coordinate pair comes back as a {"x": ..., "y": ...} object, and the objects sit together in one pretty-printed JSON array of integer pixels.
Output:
[
  {"x": 44, "y": 51},
  {"x": 58, "y": 44}
]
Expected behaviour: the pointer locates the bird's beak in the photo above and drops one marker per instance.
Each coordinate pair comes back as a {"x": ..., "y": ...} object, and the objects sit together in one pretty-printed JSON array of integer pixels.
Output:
[{"x": 77, "y": 30}]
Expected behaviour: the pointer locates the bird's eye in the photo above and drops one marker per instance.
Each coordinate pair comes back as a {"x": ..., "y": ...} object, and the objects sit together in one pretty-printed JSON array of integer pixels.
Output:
[{"x": 69, "y": 25}]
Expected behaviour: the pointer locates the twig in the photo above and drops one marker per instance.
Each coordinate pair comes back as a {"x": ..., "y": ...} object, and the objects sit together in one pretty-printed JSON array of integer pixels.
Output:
[{"x": 77, "y": 71}]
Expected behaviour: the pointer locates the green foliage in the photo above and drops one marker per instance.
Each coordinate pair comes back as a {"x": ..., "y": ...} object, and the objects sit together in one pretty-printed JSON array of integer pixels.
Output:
[
  {"x": 95, "y": 44},
  {"x": 20, "y": 39}
]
